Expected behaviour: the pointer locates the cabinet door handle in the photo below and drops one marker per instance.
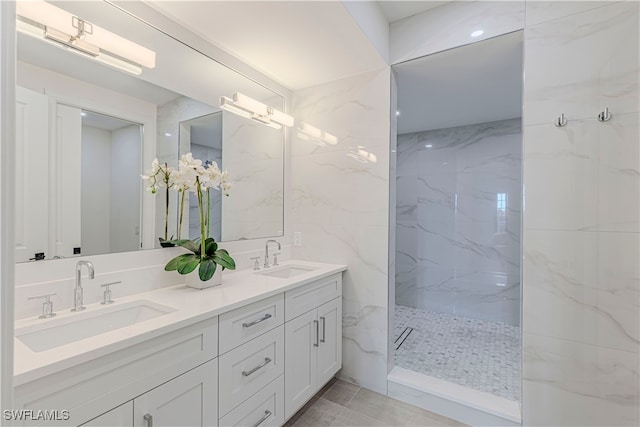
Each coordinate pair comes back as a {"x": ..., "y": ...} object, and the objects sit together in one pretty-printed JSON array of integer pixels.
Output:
[
  {"x": 324, "y": 327},
  {"x": 267, "y": 414},
  {"x": 317, "y": 343},
  {"x": 149, "y": 419},
  {"x": 255, "y": 322},
  {"x": 262, "y": 365}
]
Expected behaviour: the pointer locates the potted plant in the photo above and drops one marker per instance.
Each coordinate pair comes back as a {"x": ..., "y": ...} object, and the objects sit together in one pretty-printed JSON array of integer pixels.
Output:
[{"x": 205, "y": 254}]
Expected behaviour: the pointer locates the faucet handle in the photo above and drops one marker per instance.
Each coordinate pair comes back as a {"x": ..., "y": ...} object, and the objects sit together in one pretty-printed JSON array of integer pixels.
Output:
[
  {"x": 107, "y": 292},
  {"x": 275, "y": 258},
  {"x": 256, "y": 262},
  {"x": 47, "y": 305}
]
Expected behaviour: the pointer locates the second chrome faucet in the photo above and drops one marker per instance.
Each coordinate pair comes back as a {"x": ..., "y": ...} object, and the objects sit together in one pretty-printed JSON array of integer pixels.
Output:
[
  {"x": 266, "y": 251},
  {"x": 78, "y": 297}
]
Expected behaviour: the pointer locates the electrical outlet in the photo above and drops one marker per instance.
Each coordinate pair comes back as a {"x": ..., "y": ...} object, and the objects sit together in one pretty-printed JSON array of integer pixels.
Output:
[{"x": 297, "y": 238}]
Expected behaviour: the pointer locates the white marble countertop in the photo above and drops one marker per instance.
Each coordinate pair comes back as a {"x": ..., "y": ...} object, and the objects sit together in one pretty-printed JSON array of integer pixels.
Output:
[{"x": 191, "y": 306}]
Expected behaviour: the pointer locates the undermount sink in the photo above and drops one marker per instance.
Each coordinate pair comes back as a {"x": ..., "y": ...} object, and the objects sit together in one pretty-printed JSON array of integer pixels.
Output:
[
  {"x": 286, "y": 271},
  {"x": 58, "y": 332}
]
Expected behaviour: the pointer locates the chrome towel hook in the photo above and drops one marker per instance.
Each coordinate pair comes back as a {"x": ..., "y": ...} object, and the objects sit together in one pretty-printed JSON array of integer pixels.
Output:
[
  {"x": 605, "y": 115},
  {"x": 561, "y": 121}
]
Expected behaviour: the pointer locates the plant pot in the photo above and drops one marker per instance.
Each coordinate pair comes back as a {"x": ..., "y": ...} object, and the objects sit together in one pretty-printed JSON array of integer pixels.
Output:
[
  {"x": 193, "y": 280},
  {"x": 165, "y": 243}
]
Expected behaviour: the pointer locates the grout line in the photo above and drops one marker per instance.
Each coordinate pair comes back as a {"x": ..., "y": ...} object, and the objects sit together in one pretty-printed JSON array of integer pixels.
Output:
[{"x": 354, "y": 395}]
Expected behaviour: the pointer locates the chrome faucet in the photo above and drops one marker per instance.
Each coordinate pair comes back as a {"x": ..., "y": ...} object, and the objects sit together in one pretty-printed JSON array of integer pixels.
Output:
[
  {"x": 78, "y": 296},
  {"x": 266, "y": 251}
]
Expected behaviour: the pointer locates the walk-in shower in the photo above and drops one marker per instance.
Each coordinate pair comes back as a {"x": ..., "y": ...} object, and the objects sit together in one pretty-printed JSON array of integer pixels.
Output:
[{"x": 458, "y": 218}]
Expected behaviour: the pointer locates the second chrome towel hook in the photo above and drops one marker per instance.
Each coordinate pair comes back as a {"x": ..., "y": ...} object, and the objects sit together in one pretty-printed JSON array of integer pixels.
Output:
[
  {"x": 605, "y": 115},
  {"x": 561, "y": 121}
]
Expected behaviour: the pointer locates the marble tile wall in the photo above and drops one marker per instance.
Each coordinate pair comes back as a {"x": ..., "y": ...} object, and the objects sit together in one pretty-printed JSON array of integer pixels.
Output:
[
  {"x": 581, "y": 274},
  {"x": 451, "y": 25},
  {"x": 458, "y": 220},
  {"x": 341, "y": 209},
  {"x": 254, "y": 155}
]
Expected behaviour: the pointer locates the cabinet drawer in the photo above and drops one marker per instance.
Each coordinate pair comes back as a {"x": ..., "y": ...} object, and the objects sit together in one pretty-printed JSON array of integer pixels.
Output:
[
  {"x": 310, "y": 296},
  {"x": 245, "y": 323},
  {"x": 265, "y": 408},
  {"x": 248, "y": 368}
]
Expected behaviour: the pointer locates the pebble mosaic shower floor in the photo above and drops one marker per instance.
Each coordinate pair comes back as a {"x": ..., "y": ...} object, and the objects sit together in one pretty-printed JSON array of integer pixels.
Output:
[{"x": 479, "y": 354}]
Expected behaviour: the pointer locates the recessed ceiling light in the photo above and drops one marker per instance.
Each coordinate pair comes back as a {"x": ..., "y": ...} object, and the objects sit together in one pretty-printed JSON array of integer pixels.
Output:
[
  {"x": 397, "y": 113},
  {"x": 428, "y": 146},
  {"x": 477, "y": 33},
  {"x": 83, "y": 114},
  {"x": 167, "y": 134}
]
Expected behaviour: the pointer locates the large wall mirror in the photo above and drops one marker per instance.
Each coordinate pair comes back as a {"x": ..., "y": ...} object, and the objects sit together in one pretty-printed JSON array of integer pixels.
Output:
[{"x": 99, "y": 95}]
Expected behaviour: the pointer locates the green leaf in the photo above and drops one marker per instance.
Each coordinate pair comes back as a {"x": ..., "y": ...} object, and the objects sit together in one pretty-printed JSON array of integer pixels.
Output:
[
  {"x": 223, "y": 258},
  {"x": 173, "y": 264},
  {"x": 207, "y": 269},
  {"x": 210, "y": 246},
  {"x": 188, "y": 264},
  {"x": 189, "y": 245}
]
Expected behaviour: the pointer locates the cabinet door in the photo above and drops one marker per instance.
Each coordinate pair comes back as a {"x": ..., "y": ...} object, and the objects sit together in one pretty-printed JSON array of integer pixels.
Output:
[
  {"x": 189, "y": 400},
  {"x": 120, "y": 416},
  {"x": 330, "y": 348},
  {"x": 300, "y": 373}
]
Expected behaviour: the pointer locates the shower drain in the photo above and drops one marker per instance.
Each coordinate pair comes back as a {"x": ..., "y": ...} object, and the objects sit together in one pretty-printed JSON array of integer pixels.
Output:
[{"x": 403, "y": 336}]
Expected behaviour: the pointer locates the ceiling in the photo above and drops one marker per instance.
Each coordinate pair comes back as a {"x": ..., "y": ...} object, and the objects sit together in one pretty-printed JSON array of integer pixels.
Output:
[{"x": 297, "y": 43}]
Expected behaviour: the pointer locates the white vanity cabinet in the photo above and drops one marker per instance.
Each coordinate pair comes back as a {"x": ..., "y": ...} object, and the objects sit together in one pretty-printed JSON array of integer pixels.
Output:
[
  {"x": 251, "y": 363},
  {"x": 313, "y": 340},
  {"x": 189, "y": 400},
  {"x": 170, "y": 364}
]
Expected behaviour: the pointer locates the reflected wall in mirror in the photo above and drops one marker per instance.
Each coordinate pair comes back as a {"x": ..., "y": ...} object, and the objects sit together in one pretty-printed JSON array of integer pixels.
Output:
[
  {"x": 110, "y": 181},
  {"x": 58, "y": 78}
]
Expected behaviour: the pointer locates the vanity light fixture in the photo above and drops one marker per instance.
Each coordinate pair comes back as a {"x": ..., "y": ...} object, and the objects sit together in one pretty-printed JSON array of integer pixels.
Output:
[
  {"x": 249, "y": 108},
  {"x": 61, "y": 28},
  {"x": 317, "y": 136}
]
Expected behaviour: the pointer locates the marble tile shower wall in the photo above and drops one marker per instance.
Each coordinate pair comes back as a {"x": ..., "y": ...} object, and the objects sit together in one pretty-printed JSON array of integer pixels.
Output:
[
  {"x": 341, "y": 207},
  {"x": 581, "y": 293},
  {"x": 458, "y": 220}
]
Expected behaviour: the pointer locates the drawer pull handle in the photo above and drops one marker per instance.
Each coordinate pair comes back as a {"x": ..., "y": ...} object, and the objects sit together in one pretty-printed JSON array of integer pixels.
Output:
[
  {"x": 267, "y": 414},
  {"x": 149, "y": 419},
  {"x": 255, "y": 322},
  {"x": 324, "y": 327},
  {"x": 262, "y": 365},
  {"x": 317, "y": 343}
]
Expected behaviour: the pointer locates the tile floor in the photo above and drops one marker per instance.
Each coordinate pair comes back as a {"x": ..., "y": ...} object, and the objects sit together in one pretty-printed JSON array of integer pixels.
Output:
[
  {"x": 479, "y": 354},
  {"x": 341, "y": 403}
]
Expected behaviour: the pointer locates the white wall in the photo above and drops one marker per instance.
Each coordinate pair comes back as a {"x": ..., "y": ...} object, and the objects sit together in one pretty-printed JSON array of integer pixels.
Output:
[
  {"x": 126, "y": 187},
  {"x": 95, "y": 190},
  {"x": 340, "y": 206}
]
